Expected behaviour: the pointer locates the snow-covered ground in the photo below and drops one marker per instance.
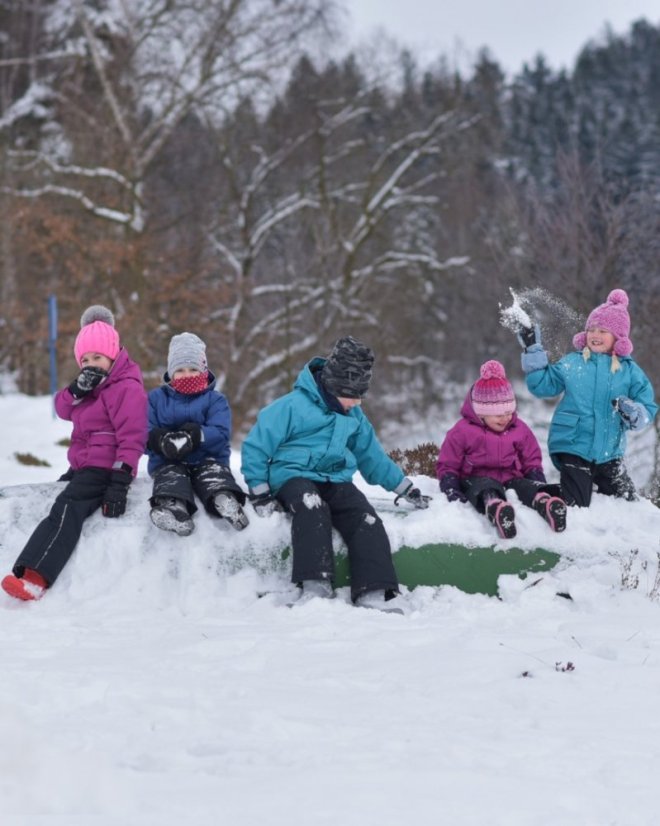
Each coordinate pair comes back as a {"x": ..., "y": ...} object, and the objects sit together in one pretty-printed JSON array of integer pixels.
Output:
[{"x": 152, "y": 686}]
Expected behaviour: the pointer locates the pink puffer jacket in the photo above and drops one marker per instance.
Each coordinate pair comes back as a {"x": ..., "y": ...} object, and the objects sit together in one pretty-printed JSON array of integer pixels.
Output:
[{"x": 110, "y": 424}]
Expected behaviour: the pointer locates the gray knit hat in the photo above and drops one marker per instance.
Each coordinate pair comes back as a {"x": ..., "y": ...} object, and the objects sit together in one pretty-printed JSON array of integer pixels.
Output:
[
  {"x": 347, "y": 371},
  {"x": 186, "y": 350}
]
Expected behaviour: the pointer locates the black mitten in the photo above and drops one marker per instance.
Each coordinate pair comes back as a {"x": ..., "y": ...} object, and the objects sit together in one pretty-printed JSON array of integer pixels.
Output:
[
  {"x": 195, "y": 432},
  {"x": 155, "y": 435},
  {"x": 529, "y": 336},
  {"x": 87, "y": 380},
  {"x": 176, "y": 444},
  {"x": 114, "y": 499}
]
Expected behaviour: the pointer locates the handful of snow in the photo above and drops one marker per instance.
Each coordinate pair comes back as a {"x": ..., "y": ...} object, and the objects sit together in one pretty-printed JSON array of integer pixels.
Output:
[{"x": 514, "y": 318}]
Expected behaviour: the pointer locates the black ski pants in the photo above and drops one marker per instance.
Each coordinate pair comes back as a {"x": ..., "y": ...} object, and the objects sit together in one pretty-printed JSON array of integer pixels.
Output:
[
  {"x": 578, "y": 477},
  {"x": 317, "y": 507},
  {"x": 207, "y": 479},
  {"x": 480, "y": 488},
  {"x": 54, "y": 539}
]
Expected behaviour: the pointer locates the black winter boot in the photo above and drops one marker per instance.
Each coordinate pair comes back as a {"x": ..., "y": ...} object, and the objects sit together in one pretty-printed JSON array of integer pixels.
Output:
[{"x": 170, "y": 514}]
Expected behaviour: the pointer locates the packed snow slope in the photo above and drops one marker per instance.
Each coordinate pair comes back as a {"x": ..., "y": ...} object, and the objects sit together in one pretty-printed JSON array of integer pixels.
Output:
[{"x": 153, "y": 685}]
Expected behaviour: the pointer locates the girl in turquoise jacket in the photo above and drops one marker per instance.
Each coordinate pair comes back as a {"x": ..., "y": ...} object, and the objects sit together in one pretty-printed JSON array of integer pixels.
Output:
[
  {"x": 301, "y": 456},
  {"x": 605, "y": 394}
]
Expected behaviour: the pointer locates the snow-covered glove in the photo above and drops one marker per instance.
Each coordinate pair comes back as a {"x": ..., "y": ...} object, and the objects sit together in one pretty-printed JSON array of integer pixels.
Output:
[
  {"x": 450, "y": 485},
  {"x": 265, "y": 504},
  {"x": 528, "y": 336},
  {"x": 534, "y": 358},
  {"x": 635, "y": 416},
  {"x": 114, "y": 498},
  {"x": 414, "y": 496},
  {"x": 87, "y": 380}
]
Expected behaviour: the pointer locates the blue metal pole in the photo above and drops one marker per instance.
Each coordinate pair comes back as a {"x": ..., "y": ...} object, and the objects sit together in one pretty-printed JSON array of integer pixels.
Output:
[{"x": 52, "y": 339}]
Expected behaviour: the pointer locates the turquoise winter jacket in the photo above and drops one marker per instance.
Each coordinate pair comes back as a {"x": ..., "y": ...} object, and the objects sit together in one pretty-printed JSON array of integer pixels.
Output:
[
  {"x": 299, "y": 436},
  {"x": 585, "y": 423}
]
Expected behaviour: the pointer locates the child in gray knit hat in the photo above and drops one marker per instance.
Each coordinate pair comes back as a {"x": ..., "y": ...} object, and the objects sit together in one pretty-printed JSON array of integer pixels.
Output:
[{"x": 189, "y": 443}]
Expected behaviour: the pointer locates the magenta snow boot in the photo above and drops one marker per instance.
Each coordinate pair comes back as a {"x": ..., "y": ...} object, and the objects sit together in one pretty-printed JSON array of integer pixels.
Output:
[{"x": 501, "y": 514}]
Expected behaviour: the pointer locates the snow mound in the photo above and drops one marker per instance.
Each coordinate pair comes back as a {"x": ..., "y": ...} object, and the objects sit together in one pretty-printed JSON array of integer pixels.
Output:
[{"x": 133, "y": 559}]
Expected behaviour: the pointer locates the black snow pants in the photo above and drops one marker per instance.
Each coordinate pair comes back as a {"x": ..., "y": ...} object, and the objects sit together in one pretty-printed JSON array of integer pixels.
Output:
[
  {"x": 207, "y": 479},
  {"x": 479, "y": 488},
  {"x": 317, "y": 507},
  {"x": 54, "y": 539},
  {"x": 578, "y": 477}
]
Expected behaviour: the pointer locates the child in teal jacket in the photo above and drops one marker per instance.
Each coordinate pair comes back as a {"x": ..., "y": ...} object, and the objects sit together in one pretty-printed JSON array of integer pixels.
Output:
[
  {"x": 301, "y": 456},
  {"x": 605, "y": 394}
]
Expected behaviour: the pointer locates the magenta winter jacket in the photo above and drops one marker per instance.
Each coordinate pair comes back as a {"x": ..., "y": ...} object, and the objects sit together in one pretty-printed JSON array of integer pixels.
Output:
[
  {"x": 110, "y": 424},
  {"x": 472, "y": 449}
]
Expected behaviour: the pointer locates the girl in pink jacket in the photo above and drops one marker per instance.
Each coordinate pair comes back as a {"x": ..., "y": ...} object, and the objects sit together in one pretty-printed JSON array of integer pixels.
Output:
[
  {"x": 489, "y": 450},
  {"x": 107, "y": 404}
]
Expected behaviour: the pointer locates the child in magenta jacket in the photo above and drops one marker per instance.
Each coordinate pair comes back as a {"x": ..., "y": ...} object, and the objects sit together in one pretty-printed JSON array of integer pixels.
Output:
[
  {"x": 107, "y": 404},
  {"x": 489, "y": 450}
]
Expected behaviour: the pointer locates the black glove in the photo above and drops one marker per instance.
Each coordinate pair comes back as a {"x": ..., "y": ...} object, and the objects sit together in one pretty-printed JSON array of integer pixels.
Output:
[
  {"x": 450, "y": 485},
  {"x": 414, "y": 496},
  {"x": 176, "y": 444},
  {"x": 195, "y": 432},
  {"x": 529, "y": 336},
  {"x": 88, "y": 379},
  {"x": 265, "y": 503},
  {"x": 155, "y": 435},
  {"x": 114, "y": 498}
]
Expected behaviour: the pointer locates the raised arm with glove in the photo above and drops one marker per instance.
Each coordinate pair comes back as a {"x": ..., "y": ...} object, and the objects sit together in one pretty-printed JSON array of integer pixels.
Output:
[{"x": 534, "y": 356}]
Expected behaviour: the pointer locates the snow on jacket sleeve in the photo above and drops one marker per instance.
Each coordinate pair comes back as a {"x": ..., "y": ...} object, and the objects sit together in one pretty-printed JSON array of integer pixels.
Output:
[
  {"x": 372, "y": 460},
  {"x": 127, "y": 410}
]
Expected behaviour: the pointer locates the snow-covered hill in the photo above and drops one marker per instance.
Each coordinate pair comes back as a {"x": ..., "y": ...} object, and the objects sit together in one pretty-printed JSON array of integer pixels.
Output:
[{"x": 152, "y": 685}]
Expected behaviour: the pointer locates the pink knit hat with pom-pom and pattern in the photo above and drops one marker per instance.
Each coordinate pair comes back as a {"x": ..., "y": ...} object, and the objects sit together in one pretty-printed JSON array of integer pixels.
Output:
[
  {"x": 492, "y": 394},
  {"x": 613, "y": 317}
]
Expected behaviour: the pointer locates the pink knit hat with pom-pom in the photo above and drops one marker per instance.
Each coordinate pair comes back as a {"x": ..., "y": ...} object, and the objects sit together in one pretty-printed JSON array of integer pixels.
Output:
[
  {"x": 492, "y": 393},
  {"x": 97, "y": 333},
  {"x": 613, "y": 317}
]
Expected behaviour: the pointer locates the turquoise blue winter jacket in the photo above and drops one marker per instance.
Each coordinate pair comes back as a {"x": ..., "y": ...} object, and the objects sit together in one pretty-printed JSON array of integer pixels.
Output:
[
  {"x": 299, "y": 436},
  {"x": 584, "y": 422}
]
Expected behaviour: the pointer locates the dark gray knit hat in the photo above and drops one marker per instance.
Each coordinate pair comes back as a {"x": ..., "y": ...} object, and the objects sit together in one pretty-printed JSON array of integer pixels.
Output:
[
  {"x": 186, "y": 350},
  {"x": 347, "y": 371}
]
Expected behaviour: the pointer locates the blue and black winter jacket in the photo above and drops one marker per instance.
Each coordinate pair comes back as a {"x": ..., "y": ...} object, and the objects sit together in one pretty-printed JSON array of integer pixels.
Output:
[{"x": 210, "y": 409}]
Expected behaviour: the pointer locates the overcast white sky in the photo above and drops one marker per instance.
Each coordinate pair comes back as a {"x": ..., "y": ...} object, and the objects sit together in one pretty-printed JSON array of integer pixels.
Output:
[{"x": 514, "y": 30}]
